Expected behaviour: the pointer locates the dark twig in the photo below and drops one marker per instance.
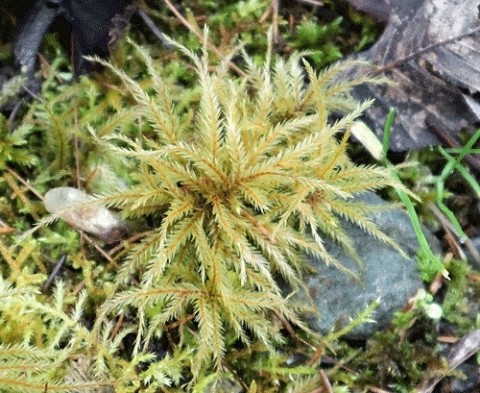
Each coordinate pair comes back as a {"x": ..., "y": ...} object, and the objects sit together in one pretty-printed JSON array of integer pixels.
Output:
[
  {"x": 326, "y": 383},
  {"x": 76, "y": 144},
  {"x": 266, "y": 14},
  {"x": 32, "y": 94},
  {"x": 117, "y": 326},
  {"x": 24, "y": 182},
  {"x": 448, "y": 226},
  {"x": 154, "y": 29},
  {"x": 13, "y": 115},
  {"x": 54, "y": 273},
  {"x": 421, "y": 51},
  {"x": 275, "y": 11},
  {"x": 97, "y": 247},
  {"x": 237, "y": 378},
  {"x": 311, "y": 2}
]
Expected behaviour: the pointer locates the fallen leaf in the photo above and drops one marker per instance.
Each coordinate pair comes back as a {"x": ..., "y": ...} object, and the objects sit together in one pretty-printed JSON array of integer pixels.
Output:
[
  {"x": 80, "y": 211},
  {"x": 431, "y": 52},
  {"x": 378, "y": 9}
]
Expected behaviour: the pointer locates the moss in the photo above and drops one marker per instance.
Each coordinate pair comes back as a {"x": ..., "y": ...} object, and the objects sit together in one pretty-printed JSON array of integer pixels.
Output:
[{"x": 223, "y": 191}]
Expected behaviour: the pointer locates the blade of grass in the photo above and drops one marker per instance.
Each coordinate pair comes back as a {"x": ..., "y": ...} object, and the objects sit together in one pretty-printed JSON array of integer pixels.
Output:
[
  {"x": 412, "y": 214},
  {"x": 387, "y": 131},
  {"x": 455, "y": 163}
]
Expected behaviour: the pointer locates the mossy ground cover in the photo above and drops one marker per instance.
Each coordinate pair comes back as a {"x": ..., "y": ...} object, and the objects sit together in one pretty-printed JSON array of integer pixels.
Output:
[{"x": 169, "y": 309}]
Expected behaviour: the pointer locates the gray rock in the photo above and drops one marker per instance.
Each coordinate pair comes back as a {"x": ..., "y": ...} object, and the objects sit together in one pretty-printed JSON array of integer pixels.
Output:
[{"x": 385, "y": 274}]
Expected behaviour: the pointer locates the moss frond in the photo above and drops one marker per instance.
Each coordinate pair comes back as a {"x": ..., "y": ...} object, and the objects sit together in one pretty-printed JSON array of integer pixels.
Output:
[
  {"x": 52, "y": 349},
  {"x": 240, "y": 194}
]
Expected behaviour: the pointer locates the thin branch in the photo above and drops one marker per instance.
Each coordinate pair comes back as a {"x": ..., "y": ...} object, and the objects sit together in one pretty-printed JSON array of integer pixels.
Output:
[
  {"x": 236, "y": 377},
  {"x": 154, "y": 29},
  {"x": 76, "y": 144},
  {"x": 266, "y": 14},
  {"x": 25, "y": 183},
  {"x": 97, "y": 247},
  {"x": 421, "y": 51},
  {"x": 117, "y": 326},
  {"x": 311, "y": 2},
  {"x": 54, "y": 273},
  {"x": 448, "y": 226},
  {"x": 13, "y": 115},
  {"x": 32, "y": 94},
  {"x": 275, "y": 9},
  {"x": 326, "y": 383}
]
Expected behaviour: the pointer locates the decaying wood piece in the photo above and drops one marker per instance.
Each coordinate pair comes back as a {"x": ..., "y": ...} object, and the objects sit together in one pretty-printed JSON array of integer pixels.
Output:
[
  {"x": 466, "y": 347},
  {"x": 378, "y": 9},
  {"x": 431, "y": 51}
]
